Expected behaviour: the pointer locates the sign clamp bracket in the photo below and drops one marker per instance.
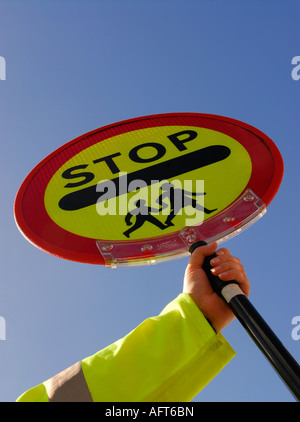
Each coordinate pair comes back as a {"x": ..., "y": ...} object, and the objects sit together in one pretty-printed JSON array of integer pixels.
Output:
[{"x": 242, "y": 213}]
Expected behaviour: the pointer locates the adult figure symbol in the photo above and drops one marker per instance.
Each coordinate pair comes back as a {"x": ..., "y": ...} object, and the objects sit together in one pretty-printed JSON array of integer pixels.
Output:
[{"x": 179, "y": 199}]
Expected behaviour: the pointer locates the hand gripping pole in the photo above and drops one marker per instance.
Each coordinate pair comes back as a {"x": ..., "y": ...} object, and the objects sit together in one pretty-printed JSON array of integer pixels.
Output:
[{"x": 282, "y": 361}]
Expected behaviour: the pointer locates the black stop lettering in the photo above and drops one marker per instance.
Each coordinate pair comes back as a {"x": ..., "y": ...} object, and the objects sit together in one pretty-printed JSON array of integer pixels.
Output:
[
  {"x": 179, "y": 143},
  {"x": 68, "y": 174},
  {"x": 160, "y": 152}
]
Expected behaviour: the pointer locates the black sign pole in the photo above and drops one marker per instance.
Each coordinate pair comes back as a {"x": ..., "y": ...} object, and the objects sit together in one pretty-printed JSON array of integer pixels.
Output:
[{"x": 282, "y": 361}]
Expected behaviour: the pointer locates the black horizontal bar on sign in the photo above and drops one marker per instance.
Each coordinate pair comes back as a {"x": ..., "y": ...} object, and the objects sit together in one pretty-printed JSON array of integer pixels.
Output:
[{"x": 171, "y": 168}]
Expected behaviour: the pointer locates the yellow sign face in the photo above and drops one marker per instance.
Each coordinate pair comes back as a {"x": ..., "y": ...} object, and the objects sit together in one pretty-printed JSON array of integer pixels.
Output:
[{"x": 147, "y": 183}]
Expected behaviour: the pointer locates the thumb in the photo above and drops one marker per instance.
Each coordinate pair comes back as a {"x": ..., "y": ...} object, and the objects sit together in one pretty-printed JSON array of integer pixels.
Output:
[{"x": 199, "y": 254}]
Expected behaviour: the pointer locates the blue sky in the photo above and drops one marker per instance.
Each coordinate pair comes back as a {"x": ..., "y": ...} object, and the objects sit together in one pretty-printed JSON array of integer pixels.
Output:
[{"x": 74, "y": 66}]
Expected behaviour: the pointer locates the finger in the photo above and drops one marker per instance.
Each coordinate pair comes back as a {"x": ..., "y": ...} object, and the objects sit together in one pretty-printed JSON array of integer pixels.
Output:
[
  {"x": 221, "y": 259},
  {"x": 226, "y": 266},
  {"x": 237, "y": 275},
  {"x": 199, "y": 254}
]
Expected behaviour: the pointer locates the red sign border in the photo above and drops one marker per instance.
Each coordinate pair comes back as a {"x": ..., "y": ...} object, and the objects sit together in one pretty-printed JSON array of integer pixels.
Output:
[{"x": 265, "y": 184}]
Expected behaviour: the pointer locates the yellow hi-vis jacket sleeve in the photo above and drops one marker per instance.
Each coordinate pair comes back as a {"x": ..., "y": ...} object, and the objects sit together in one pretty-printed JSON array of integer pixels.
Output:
[{"x": 167, "y": 358}]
